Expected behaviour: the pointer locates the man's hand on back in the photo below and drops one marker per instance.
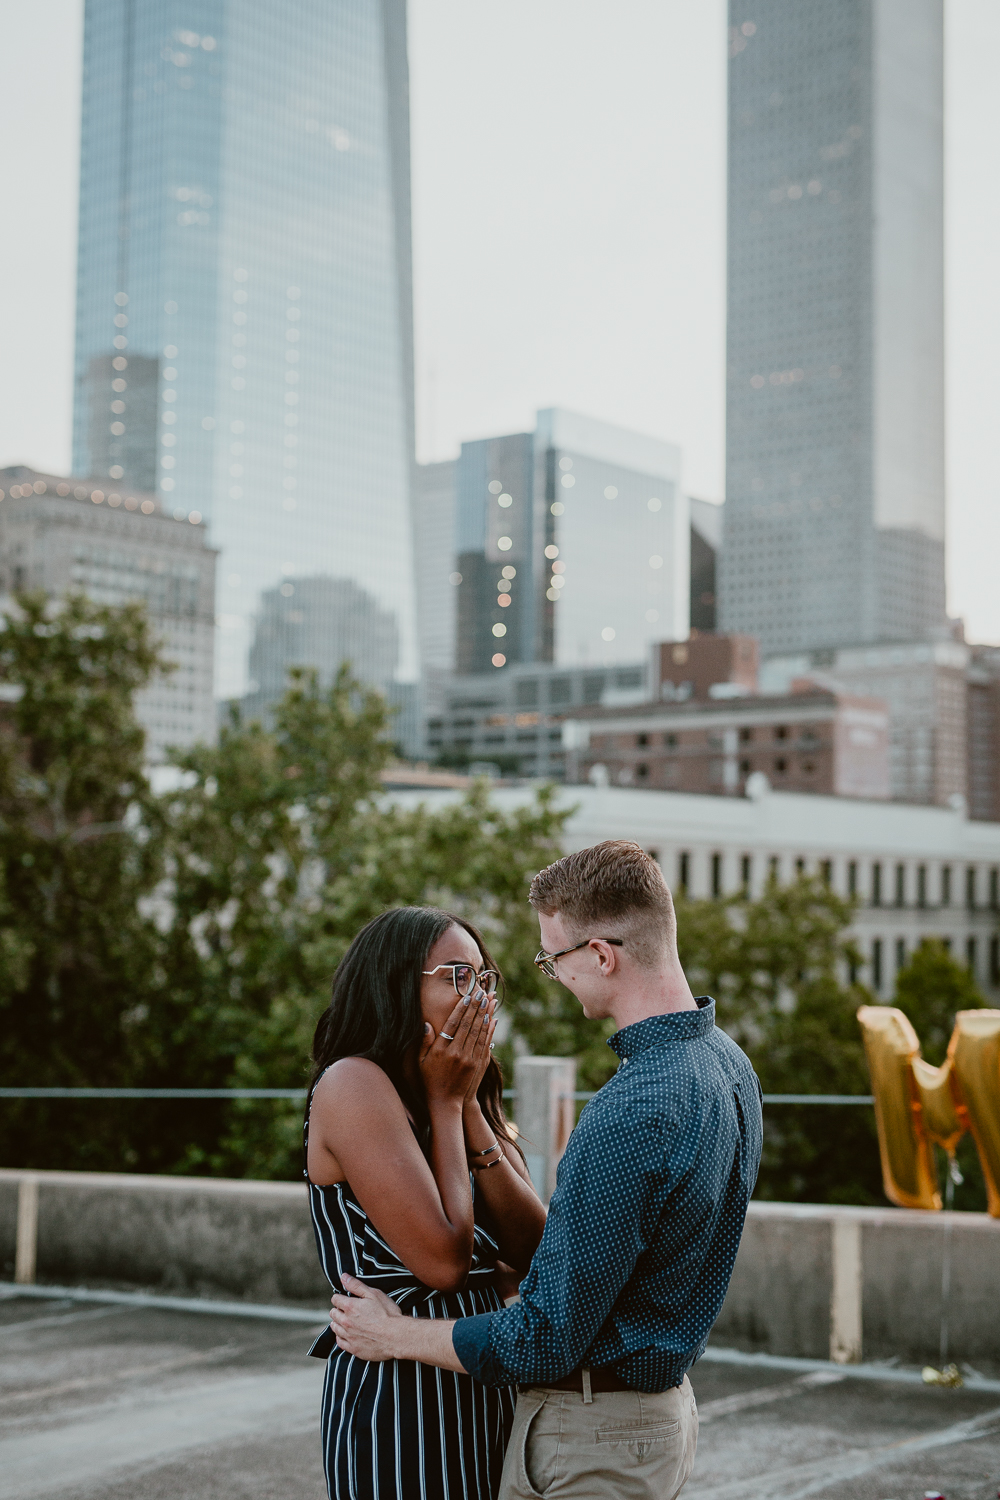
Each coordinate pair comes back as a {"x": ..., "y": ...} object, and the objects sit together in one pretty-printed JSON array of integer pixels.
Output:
[{"x": 369, "y": 1325}]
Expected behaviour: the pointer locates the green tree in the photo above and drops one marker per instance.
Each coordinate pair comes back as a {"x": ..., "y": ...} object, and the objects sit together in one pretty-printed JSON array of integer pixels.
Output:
[
  {"x": 80, "y": 851},
  {"x": 774, "y": 965},
  {"x": 930, "y": 989}
]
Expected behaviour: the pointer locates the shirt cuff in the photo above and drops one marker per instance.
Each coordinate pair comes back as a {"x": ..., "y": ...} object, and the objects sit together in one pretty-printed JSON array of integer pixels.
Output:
[{"x": 470, "y": 1339}]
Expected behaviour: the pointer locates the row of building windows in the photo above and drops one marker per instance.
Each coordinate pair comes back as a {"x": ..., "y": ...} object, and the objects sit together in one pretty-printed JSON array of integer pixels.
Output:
[
  {"x": 981, "y": 887},
  {"x": 882, "y": 947}
]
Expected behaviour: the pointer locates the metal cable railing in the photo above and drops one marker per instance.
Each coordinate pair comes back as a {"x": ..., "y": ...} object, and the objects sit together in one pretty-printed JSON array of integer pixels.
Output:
[{"x": 580, "y": 1096}]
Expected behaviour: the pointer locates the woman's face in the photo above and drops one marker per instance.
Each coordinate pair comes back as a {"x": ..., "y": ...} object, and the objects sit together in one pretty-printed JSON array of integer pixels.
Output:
[{"x": 437, "y": 992}]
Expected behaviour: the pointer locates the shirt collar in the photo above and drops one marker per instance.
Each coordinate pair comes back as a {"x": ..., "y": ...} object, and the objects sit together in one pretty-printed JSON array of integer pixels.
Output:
[{"x": 657, "y": 1031}]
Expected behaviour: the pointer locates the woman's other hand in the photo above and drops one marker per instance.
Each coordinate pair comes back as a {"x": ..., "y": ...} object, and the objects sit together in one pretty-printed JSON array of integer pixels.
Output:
[{"x": 454, "y": 1060}]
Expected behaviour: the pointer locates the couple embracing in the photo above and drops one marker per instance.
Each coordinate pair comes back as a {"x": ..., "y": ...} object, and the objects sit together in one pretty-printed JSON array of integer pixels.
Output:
[{"x": 426, "y": 1218}]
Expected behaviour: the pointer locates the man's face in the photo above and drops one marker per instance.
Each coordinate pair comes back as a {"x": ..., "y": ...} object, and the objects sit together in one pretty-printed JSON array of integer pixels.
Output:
[{"x": 581, "y": 972}]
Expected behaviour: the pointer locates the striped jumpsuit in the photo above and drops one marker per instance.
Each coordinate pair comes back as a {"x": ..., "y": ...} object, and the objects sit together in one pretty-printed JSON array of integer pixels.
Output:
[{"x": 399, "y": 1430}]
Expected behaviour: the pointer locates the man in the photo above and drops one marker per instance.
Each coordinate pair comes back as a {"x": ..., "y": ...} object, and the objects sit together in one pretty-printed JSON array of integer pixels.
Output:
[{"x": 643, "y": 1226}]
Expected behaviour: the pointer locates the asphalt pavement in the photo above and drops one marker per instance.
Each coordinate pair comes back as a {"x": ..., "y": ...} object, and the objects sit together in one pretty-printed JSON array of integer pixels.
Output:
[{"x": 111, "y": 1402}]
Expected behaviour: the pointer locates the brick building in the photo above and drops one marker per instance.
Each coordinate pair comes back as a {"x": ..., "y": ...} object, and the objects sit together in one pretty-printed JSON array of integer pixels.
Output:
[{"x": 812, "y": 740}]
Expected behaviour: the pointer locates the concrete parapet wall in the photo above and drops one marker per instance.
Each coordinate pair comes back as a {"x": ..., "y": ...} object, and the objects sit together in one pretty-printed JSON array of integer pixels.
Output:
[
  {"x": 852, "y": 1283},
  {"x": 195, "y": 1236},
  {"x": 810, "y": 1281}
]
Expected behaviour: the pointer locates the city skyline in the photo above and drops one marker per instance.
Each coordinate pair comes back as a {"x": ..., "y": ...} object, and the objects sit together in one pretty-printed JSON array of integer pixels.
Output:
[
  {"x": 244, "y": 322},
  {"x": 628, "y": 194}
]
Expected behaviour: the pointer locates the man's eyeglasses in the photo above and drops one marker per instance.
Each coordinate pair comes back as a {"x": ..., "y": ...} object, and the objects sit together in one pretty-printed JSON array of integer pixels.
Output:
[
  {"x": 465, "y": 978},
  {"x": 547, "y": 961}
]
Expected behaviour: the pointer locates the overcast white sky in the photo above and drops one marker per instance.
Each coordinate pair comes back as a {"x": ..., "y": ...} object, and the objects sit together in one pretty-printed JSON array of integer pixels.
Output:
[{"x": 569, "y": 234}]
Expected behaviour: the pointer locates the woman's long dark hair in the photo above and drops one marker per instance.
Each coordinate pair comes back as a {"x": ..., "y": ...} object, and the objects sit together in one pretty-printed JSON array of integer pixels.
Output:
[{"x": 375, "y": 1012}]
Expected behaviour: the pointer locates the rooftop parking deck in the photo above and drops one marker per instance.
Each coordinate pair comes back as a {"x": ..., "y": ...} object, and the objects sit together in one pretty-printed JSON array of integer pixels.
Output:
[{"x": 119, "y": 1401}]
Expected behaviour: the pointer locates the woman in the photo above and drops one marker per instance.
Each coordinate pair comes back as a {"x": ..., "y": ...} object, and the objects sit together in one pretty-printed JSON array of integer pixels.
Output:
[{"x": 417, "y": 1187}]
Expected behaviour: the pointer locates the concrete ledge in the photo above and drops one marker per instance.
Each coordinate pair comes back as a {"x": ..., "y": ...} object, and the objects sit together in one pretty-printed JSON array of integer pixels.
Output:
[
  {"x": 782, "y": 1296},
  {"x": 194, "y": 1236},
  {"x": 810, "y": 1281}
]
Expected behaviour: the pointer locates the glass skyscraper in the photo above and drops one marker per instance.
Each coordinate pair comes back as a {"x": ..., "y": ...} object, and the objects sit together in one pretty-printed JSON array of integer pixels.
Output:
[
  {"x": 834, "y": 527},
  {"x": 244, "y": 325}
]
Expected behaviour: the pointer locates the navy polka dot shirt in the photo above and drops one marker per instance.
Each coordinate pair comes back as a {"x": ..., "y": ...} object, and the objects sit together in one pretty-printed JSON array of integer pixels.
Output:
[{"x": 645, "y": 1221}]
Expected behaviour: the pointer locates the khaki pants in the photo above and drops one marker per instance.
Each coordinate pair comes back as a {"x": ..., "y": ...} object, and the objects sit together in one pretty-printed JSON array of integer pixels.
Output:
[{"x": 626, "y": 1444}]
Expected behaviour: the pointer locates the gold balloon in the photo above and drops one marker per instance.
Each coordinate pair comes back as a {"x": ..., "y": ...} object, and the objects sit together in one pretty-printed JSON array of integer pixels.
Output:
[{"x": 917, "y": 1104}]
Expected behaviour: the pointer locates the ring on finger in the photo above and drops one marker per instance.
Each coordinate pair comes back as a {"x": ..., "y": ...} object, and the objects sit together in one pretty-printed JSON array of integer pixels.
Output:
[{"x": 446, "y": 1037}]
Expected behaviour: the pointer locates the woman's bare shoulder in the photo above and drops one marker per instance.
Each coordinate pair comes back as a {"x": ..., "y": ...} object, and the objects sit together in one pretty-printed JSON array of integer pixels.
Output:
[{"x": 356, "y": 1079}]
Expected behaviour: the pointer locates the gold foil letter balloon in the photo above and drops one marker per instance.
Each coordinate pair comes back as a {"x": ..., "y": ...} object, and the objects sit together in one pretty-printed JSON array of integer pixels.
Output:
[{"x": 917, "y": 1105}]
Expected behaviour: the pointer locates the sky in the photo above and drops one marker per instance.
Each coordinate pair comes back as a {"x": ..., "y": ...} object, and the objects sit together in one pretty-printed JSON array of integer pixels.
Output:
[{"x": 569, "y": 165}]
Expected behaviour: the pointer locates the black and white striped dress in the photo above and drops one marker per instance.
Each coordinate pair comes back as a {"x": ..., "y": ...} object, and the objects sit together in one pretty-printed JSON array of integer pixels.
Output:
[{"x": 399, "y": 1430}]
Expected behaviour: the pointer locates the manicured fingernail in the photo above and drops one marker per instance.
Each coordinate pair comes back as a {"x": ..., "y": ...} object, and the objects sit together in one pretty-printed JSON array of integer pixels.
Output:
[{"x": 466, "y": 999}]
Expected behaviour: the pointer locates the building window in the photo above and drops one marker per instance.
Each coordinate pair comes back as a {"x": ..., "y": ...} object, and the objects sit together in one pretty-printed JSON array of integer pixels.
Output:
[
  {"x": 773, "y": 867},
  {"x": 994, "y": 889},
  {"x": 670, "y": 740},
  {"x": 780, "y": 765},
  {"x": 852, "y": 878},
  {"x": 900, "y": 885},
  {"x": 716, "y": 874},
  {"x": 826, "y": 871},
  {"x": 946, "y": 944},
  {"x": 970, "y": 955},
  {"x": 877, "y": 964},
  {"x": 970, "y": 887},
  {"x": 781, "y": 733},
  {"x": 800, "y": 867},
  {"x": 642, "y": 772},
  {"x": 946, "y": 885},
  {"x": 995, "y": 961},
  {"x": 744, "y": 768},
  {"x": 921, "y": 885},
  {"x": 746, "y": 873},
  {"x": 683, "y": 871},
  {"x": 746, "y": 735},
  {"x": 852, "y": 971},
  {"x": 642, "y": 740},
  {"x": 900, "y": 954},
  {"x": 876, "y": 885}
]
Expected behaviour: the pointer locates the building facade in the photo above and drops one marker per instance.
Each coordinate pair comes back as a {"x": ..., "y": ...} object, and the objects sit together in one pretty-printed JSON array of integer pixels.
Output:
[
  {"x": 513, "y": 719},
  {"x": 808, "y": 741},
  {"x": 835, "y": 387},
  {"x": 571, "y": 545},
  {"x": 117, "y": 546},
  {"x": 244, "y": 328},
  {"x": 916, "y": 872},
  {"x": 925, "y": 688}
]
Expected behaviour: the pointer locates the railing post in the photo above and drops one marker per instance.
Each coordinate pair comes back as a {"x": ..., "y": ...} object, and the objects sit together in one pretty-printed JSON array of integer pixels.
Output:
[
  {"x": 544, "y": 1114},
  {"x": 845, "y": 1292},
  {"x": 26, "y": 1254}
]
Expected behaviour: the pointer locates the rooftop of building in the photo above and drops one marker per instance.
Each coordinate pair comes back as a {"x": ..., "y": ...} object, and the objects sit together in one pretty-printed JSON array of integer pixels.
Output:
[
  {"x": 802, "y": 702},
  {"x": 21, "y": 482}
]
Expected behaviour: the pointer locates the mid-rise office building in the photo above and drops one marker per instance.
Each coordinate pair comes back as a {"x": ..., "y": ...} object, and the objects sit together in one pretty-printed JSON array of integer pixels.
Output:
[
  {"x": 915, "y": 872},
  {"x": 244, "y": 329},
  {"x": 924, "y": 687},
  {"x": 811, "y": 740},
  {"x": 834, "y": 531},
  {"x": 513, "y": 719},
  {"x": 570, "y": 544},
  {"x": 116, "y": 546}
]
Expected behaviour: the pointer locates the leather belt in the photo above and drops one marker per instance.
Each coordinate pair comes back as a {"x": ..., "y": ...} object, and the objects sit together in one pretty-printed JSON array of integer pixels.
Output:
[{"x": 600, "y": 1381}]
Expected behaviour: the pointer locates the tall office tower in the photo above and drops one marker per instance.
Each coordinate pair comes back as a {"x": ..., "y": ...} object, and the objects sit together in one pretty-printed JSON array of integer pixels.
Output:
[
  {"x": 244, "y": 324},
  {"x": 571, "y": 545},
  {"x": 834, "y": 529}
]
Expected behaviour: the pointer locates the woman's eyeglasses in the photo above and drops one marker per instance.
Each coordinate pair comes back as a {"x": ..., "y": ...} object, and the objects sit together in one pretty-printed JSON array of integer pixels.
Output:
[
  {"x": 465, "y": 978},
  {"x": 547, "y": 961}
]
